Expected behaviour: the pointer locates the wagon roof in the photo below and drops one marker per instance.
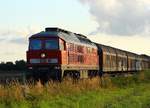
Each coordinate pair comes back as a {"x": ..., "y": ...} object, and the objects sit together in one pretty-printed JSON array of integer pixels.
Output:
[
  {"x": 114, "y": 50},
  {"x": 106, "y": 49}
]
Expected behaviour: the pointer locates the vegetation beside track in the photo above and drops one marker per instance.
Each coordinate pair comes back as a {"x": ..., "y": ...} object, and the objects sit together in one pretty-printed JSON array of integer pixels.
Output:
[{"x": 120, "y": 92}]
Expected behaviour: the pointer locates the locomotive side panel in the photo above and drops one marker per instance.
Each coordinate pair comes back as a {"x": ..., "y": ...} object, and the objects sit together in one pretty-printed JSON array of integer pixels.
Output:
[{"x": 80, "y": 56}]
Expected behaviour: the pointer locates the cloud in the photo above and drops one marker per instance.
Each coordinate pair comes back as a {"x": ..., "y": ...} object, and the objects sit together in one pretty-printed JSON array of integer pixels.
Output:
[
  {"x": 1, "y": 39},
  {"x": 136, "y": 43},
  {"x": 10, "y": 51},
  {"x": 17, "y": 36},
  {"x": 14, "y": 43},
  {"x": 22, "y": 40},
  {"x": 120, "y": 17}
]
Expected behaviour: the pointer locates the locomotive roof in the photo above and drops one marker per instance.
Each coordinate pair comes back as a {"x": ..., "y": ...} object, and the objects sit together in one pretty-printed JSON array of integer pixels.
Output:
[{"x": 65, "y": 35}]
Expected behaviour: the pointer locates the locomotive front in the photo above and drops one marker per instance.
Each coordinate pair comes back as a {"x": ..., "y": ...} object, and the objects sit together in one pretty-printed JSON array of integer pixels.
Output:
[{"x": 44, "y": 54}]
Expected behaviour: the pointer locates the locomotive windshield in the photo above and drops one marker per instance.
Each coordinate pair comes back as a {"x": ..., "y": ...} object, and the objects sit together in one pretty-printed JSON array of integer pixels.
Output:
[
  {"x": 51, "y": 44},
  {"x": 35, "y": 44}
]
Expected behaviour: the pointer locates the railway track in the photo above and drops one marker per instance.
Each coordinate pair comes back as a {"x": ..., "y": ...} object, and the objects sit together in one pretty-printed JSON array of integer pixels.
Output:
[{"x": 8, "y": 76}]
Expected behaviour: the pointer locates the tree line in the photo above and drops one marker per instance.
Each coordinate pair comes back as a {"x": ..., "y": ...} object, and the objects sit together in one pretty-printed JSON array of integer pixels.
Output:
[{"x": 17, "y": 65}]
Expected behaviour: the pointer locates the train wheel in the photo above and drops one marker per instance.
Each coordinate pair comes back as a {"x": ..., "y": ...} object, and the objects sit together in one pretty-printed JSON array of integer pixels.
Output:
[
  {"x": 54, "y": 75},
  {"x": 76, "y": 75},
  {"x": 58, "y": 75}
]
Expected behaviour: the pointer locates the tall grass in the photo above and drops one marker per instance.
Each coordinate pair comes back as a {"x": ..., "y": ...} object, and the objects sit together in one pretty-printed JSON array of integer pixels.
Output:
[{"x": 105, "y": 92}]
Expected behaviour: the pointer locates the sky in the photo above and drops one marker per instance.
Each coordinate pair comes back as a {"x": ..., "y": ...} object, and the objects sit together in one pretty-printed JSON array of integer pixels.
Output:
[{"x": 123, "y": 24}]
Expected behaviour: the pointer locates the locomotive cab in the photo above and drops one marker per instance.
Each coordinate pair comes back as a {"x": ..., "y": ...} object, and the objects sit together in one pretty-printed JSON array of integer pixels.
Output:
[
  {"x": 44, "y": 54},
  {"x": 45, "y": 50}
]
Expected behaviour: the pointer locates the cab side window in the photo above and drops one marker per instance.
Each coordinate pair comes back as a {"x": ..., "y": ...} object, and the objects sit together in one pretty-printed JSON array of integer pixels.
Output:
[{"x": 62, "y": 45}]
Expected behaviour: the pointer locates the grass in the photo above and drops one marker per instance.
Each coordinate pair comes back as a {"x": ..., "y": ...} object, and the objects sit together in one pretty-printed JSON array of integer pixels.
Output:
[{"x": 120, "y": 92}]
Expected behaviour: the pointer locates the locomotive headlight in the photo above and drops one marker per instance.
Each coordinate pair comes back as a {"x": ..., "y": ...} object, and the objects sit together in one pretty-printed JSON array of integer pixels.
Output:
[
  {"x": 30, "y": 68},
  {"x": 43, "y": 55}
]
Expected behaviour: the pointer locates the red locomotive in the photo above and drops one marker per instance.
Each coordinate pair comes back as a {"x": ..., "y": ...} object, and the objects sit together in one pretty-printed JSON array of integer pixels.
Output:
[{"x": 56, "y": 53}]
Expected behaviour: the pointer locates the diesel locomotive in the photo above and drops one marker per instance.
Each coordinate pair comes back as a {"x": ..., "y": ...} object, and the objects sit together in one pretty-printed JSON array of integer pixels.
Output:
[{"x": 56, "y": 53}]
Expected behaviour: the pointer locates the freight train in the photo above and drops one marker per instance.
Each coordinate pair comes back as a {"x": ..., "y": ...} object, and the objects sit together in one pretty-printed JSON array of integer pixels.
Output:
[{"x": 57, "y": 53}]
